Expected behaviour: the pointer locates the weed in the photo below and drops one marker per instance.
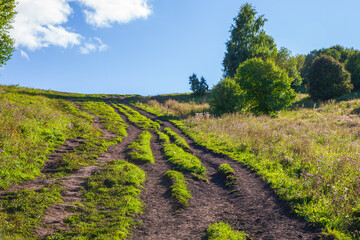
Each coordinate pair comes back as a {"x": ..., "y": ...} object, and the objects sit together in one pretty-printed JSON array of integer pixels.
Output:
[{"x": 179, "y": 188}]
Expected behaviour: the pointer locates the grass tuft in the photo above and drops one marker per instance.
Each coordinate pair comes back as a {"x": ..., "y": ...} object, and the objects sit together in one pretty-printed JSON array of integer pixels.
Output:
[
  {"x": 179, "y": 188},
  {"x": 228, "y": 173},
  {"x": 142, "y": 148},
  {"x": 176, "y": 138},
  {"x": 223, "y": 231}
]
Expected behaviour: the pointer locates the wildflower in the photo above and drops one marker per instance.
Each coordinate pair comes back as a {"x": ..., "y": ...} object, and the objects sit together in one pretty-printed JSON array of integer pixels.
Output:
[{"x": 2, "y": 151}]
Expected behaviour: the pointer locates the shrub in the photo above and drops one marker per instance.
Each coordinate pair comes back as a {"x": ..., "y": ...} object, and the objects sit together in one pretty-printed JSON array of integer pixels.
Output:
[
  {"x": 226, "y": 97},
  {"x": 198, "y": 87},
  {"x": 328, "y": 79},
  {"x": 353, "y": 66},
  {"x": 266, "y": 87}
]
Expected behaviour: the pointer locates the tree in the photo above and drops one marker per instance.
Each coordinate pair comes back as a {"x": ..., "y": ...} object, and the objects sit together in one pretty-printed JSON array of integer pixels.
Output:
[
  {"x": 328, "y": 79},
  {"x": 267, "y": 87},
  {"x": 226, "y": 97},
  {"x": 7, "y": 13},
  {"x": 353, "y": 66},
  {"x": 198, "y": 87},
  {"x": 247, "y": 40}
]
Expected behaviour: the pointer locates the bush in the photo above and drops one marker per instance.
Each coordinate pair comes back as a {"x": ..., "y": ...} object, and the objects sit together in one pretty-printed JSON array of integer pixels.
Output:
[
  {"x": 328, "y": 79},
  {"x": 266, "y": 87},
  {"x": 353, "y": 66},
  {"x": 226, "y": 97},
  {"x": 198, "y": 87}
]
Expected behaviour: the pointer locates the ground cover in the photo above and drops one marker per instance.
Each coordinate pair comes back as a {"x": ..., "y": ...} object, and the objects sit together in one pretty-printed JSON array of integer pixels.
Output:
[
  {"x": 228, "y": 173},
  {"x": 176, "y": 138},
  {"x": 141, "y": 148},
  {"x": 222, "y": 231}
]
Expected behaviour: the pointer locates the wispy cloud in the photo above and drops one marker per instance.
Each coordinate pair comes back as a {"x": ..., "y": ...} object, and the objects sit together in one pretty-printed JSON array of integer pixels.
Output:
[
  {"x": 105, "y": 12},
  {"x": 24, "y": 55},
  {"x": 42, "y": 23},
  {"x": 93, "y": 45}
]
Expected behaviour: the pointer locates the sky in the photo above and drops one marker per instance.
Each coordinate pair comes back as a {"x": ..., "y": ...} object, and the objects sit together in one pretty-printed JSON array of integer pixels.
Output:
[{"x": 151, "y": 47}]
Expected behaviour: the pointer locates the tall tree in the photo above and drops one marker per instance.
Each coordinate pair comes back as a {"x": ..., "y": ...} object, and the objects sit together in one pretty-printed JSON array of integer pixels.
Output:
[
  {"x": 7, "y": 13},
  {"x": 247, "y": 40}
]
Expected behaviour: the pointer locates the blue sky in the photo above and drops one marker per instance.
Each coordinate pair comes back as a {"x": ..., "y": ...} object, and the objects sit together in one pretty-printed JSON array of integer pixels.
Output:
[{"x": 151, "y": 47}]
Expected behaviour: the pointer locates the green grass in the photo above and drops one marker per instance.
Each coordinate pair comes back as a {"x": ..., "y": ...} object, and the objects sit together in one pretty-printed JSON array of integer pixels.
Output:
[
  {"x": 142, "y": 148},
  {"x": 31, "y": 127},
  {"x": 111, "y": 202},
  {"x": 183, "y": 160},
  {"x": 179, "y": 188},
  {"x": 176, "y": 138},
  {"x": 136, "y": 118},
  {"x": 223, "y": 231},
  {"x": 228, "y": 173},
  {"x": 21, "y": 211}
]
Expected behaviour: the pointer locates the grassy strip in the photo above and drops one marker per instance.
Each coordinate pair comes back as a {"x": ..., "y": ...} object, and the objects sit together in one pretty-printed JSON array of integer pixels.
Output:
[
  {"x": 142, "y": 148},
  {"x": 111, "y": 202},
  {"x": 31, "y": 127},
  {"x": 181, "y": 159},
  {"x": 178, "y": 189},
  {"x": 21, "y": 211},
  {"x": 222, "y": 231},
  {"x": 176, "y": 138},
  {"x": 135, "y": 117},
  {"x": 228, "y": 173},
  {"x": 109, "y": 118}
]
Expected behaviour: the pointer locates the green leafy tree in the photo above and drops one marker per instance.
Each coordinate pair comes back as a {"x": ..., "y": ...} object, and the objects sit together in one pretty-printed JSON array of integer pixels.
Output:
[
  {"x": 267, "y": 87},
  {"x": 226, "y": 97},
  {"x": 284, "y": 60},
  {"x": 247, "y": 40},
  {"x": 328, "y": 79},
  {"x": 199, "y": 87},
  {"x": 7, "y": 13},
  {"x": 353, "y": 66}
]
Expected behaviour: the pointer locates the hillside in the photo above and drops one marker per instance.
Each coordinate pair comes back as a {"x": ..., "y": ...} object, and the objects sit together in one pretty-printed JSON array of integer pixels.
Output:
[{"x": 77, "y": 166}]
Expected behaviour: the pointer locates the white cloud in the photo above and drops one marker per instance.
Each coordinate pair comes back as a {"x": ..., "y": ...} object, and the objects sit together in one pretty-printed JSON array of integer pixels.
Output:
[
  {"x": 105, "y": 12},
  {"x": 93, "y": 45},
  {"x": 24, "y": 55},
  {"x": 41, "y": 23}
]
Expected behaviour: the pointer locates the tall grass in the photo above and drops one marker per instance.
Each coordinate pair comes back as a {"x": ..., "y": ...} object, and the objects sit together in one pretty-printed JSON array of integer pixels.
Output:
[{"x": 309, "y": 155}]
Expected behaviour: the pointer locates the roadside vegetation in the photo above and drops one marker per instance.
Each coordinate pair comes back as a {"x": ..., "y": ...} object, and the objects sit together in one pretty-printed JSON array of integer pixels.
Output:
[
  {"x": 111, "y": 202},
  {"x": 179, "y": 187},
  {"x": 222, "y": 231},
  {"x": 141, "y": 148}
]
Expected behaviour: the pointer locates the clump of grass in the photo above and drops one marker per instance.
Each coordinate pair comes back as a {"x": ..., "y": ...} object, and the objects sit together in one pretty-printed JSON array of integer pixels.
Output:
[
  {"x": 222, "y": 231},
  {"x": 179, "y": 188},
  {"x": 110, "y": 203},
  {"x": 163, "y": 137},
  {"x": 176, "y": 138},
  {"x": 135, "y": 117},
  {"x": 184, "y": 160},
  {"x": 21, "y": 212},
  {"x": 142, "y": 148},
  {"x": 228, "y": 173}
]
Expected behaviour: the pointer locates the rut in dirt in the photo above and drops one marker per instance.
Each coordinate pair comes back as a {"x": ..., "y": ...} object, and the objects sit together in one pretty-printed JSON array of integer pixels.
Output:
[{"x": 252, "y": 207}]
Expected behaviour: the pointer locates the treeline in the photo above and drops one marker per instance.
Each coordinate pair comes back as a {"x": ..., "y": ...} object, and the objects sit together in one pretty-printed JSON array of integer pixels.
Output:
[{"x": 261, "y": 78}]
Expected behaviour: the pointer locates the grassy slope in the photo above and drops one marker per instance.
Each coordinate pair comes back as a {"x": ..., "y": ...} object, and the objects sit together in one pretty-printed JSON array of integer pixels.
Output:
[{"x": 310, "y": 154}]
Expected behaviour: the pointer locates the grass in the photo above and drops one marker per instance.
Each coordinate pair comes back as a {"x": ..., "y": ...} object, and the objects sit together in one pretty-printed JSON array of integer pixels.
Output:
[
  {"x": 31, "y": 127},
  {"x": 179, "y": 188},
  {"x": 136, "y": 118},
  {"x": 309, "y": 155},
  {"x": 183, "y": 160},
  {"x": 21, "y": 211},
  {"x": 228, "y": 173},
  {"x": 176, "y": 138},
  {"x": 111, "y": 202},
  {"x": 223, "y": 231},
  {"x": 142, "y": 149}
]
